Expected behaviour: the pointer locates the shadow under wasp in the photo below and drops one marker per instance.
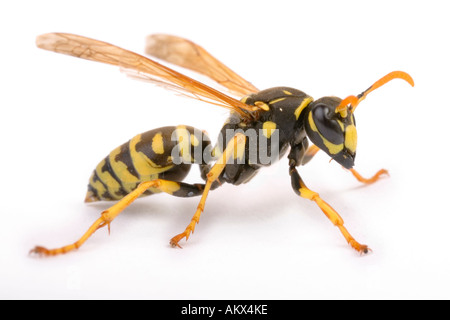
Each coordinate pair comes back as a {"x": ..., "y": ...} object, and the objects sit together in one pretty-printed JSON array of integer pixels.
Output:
[{"x": 286, "y": 119}]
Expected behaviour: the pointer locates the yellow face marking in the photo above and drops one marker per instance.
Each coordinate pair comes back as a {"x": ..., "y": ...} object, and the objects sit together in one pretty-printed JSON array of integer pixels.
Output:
[
  {"x": 350, "y": 138},
  {"x": 158, "y": 144},
  {"x": 268, "y": 128},
  {"x": 302, "y": 106},
  {"x": 277, "y": 100},
  {"x": 331, "y": 147},
  {"x": 262, "y": 105},
  {"x": 341, "y": 124}
]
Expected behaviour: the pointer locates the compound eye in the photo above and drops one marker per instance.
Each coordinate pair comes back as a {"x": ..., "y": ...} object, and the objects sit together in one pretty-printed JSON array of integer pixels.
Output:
[{"x": 326, "y": 122}]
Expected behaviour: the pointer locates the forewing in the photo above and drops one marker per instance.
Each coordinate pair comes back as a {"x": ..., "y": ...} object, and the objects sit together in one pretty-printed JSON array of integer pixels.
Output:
[
  {"x": 189, "y": 55},
  {"x": 140, "y": 66}
]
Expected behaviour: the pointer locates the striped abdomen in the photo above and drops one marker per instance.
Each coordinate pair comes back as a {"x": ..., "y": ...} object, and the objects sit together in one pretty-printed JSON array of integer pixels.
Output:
[{"x": 147, "y": 156}]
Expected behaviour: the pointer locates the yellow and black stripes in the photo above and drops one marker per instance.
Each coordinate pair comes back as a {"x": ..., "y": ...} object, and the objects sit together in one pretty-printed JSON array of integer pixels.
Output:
[{"x": 146, "y": 157}]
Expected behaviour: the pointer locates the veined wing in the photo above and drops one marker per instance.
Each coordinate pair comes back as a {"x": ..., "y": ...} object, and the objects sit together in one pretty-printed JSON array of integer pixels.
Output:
[
  {"x": 189, "y": 55},
  {"x": 140, "y": 66}
]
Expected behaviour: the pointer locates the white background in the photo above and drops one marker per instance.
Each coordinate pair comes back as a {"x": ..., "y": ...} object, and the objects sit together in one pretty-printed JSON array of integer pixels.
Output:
[{"x": 60, "y": 116}]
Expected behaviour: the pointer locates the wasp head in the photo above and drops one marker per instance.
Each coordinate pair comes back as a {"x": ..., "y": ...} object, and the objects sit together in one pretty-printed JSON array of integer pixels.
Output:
[
  {"x": 332, "y": 131},
  {"x": 330, "y": 123}
]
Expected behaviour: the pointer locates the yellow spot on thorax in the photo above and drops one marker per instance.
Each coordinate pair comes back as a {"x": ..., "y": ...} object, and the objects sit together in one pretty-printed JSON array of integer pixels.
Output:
[
  {"x": 277, "y": 100},
  {"x": 244, "y": 99},
  {"x": 268, "y": 128},
  {"x": 302, "y": 106},
  {"x": 262, "y": 105}
]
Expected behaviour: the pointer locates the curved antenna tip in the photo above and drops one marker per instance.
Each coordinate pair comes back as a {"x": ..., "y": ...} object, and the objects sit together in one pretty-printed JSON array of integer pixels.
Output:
[
  {"x": 400, "y": 75},
  {"x": 354, "y": 101}
]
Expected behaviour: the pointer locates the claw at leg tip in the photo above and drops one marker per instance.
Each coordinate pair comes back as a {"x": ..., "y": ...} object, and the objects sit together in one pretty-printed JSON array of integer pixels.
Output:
[
  {"x": 174, "y": 244},
  {"x": 40, "y": 251},
  {"x": 365, "y": 250}
]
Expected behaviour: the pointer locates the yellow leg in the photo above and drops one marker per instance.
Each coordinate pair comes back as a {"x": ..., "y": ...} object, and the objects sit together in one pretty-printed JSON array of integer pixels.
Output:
[
  {"x": 301, "y": 189},
  {"x": 373, "y": 179},
  {"x": 108, "y": 216},
  {"x": 235, "y": 149}
]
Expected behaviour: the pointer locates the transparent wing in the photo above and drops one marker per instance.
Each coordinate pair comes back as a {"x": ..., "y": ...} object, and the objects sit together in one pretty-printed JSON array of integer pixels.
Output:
[
  {"x": 189, "y": 55},
  {"x": 140, "y": 66}
]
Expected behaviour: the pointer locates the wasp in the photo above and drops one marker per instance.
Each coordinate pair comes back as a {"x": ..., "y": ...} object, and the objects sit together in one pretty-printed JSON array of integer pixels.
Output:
[{"x": 262, "y": 127}]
